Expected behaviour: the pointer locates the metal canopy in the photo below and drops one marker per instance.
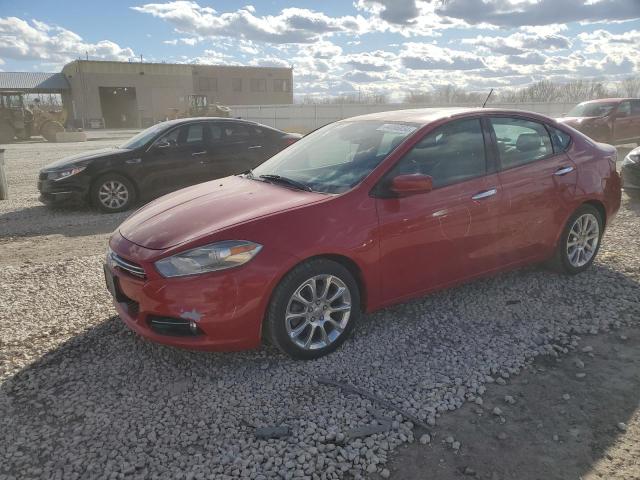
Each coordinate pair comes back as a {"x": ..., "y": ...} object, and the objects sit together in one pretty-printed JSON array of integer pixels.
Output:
[{"x": 33, "y": 82}]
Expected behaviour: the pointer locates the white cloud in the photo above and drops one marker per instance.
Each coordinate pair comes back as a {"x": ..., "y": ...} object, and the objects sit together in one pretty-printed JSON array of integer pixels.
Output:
[
  {"x": 21, "y": 40},
  {"x": 517, "y": 13},
  {"x": 292, "y": 25},
  {"x": 519, "y": 43}
]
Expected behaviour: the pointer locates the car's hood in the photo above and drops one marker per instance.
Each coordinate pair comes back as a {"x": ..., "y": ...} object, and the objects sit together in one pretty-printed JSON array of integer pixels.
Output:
[
  {"x": 85, "y": 156},
  {"x": 198, "y": 211}
]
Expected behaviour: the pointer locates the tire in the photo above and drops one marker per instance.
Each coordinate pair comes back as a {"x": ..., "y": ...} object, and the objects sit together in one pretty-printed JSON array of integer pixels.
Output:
[
  {"x": 311, "y": 318},
  {"x": 575, "y": 259},
  {"x": 122, "y": 191}
]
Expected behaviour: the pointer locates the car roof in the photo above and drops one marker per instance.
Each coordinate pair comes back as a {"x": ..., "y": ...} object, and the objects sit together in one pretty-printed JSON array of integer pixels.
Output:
[
  {"x": 610, "y": 100},
  {"x": 181, "y": 121},
  {"x": 425, "y": 116}
]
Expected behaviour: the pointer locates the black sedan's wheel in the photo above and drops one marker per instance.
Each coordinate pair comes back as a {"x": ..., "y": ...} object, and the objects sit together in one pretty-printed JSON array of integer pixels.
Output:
[
  {"x": 580, "y": 241},
  {"x": 113, "y": 193},
  {"x": 313, "y": 310}
]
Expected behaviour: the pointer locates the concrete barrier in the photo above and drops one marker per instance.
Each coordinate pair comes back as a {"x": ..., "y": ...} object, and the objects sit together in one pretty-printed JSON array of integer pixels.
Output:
[{"x": 62, "y": 137}]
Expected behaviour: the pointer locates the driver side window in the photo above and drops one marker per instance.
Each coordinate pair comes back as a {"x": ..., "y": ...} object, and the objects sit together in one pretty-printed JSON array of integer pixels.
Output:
[
  {"x": 170, "y": 138},
  {"x": 450, "y": 154}
]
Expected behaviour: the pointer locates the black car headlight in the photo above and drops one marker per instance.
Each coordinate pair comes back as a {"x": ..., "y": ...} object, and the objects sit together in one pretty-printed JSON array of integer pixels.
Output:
[
  {"x": 208, "y": 258},
  {"x": 66, "y": 173}
]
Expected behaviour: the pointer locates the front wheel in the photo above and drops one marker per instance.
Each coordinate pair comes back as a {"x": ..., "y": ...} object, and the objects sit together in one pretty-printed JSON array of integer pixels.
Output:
[
  {"x": 313, "y": 310},
  {"x": 580, "y": 241},
  {"x": 113, "y": 193}
]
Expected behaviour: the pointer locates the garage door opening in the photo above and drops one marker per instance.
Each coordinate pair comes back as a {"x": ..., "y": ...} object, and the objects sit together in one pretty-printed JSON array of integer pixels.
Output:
[{"x": 119, "y": 107}]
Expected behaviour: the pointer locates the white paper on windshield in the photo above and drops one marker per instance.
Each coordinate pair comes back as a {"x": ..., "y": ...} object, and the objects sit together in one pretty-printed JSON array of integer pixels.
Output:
[{"x": 396, "y": 128}]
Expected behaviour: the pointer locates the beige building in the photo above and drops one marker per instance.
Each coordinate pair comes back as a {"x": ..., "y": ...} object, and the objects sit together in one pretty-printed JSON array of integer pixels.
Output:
[{"x": 121, "y": 94}]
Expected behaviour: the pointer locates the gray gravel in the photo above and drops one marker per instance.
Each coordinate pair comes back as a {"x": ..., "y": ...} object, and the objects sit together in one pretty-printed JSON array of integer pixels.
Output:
[{"x": 82, "y": 397}]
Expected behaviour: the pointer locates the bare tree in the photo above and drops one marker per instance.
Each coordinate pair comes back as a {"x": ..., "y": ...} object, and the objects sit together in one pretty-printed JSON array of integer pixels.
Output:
[{"x": 630, "y": 87}]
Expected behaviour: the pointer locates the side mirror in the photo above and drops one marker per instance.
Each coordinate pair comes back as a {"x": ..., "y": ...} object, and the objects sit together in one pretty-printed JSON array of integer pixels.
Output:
[{"x": 406, "y": 185}]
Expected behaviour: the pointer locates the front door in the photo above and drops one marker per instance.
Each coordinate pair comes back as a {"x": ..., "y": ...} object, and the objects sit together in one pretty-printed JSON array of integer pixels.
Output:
[
  {"x": 446, "y": 235},
  {"x": 538, "y": 182},
  {"x": 177, "y": 159}
]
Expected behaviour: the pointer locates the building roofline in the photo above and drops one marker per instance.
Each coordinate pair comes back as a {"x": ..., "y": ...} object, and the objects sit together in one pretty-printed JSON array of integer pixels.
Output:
[{"x": 192, "y": 65}]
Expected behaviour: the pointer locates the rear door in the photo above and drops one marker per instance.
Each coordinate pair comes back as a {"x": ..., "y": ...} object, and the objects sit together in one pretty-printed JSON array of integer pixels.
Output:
[
  {"x": 227, "y": 149},
  {"x": 538, "y": 181},
  {"x": 627, "y": 121},
  {"x": 448, "y": 234},
  {"x": 623, "y": 122}
]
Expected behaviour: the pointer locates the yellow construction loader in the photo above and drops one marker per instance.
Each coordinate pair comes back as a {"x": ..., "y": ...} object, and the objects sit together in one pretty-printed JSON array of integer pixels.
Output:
[{"x": 19, "y": 122}]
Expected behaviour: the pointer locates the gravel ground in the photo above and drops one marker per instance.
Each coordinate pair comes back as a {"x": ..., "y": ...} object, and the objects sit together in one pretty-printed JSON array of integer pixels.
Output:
[{"x": 82, "y": 397}]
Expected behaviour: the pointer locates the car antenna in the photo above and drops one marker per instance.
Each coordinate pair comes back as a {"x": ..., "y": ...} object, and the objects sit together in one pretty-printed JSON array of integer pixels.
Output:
[{"x": 487, "y": 99}]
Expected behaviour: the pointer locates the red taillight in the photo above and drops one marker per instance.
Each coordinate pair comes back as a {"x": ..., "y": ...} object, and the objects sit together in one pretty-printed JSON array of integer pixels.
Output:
[{"x": 289, "y": 140}]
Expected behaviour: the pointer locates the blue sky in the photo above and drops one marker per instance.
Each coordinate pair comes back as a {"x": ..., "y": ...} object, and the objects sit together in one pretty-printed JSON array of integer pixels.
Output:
[{"x": 335, "y": 47}]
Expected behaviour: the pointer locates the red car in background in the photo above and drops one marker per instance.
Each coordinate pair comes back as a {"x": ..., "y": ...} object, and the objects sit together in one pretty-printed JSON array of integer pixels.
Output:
[
  {"x": 360, "y": 214},
  {"x": 610, "y": 120}
]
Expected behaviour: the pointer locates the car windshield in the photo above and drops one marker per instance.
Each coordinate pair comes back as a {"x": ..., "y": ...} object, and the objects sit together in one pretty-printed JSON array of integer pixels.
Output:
[
  {"x": 143, "y": 137},
  {"x": 592, "y": 109},
  {"x": 335, "y": 158}
]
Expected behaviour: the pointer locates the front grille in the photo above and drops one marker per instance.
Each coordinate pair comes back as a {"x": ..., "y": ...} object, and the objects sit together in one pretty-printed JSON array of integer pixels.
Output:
[
  {"x": 127, "y": 265},
  {"x": 175, "y": 327}
]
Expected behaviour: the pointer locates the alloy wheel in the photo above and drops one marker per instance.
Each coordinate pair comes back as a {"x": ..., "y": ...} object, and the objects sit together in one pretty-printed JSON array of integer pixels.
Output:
[
  {"x": 582, "y": 241},
  {"x": 318, "y": 312},
  {"x": 113, "y": 194}
]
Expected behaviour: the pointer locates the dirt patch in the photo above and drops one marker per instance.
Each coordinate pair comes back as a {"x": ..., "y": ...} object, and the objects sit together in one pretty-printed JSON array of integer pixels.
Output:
[{"x": 560, "y": 426}]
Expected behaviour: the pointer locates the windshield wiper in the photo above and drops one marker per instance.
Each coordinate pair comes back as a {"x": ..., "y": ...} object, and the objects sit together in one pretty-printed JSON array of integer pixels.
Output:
[{"x": 287, "y": 181}]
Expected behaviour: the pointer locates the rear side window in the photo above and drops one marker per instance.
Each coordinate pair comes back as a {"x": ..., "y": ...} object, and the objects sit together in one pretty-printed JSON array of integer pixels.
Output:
[
  {"x": 520, "y": 141},
  {"x": 559, "y": 139},
  {"x": 450, "y": 154},
  {"x": 635, "y": 108}
]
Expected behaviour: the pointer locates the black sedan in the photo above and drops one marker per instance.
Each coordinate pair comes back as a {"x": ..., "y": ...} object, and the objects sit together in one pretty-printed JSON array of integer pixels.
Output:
[
  {"x": 630, "y": 173},
  {"x": 166, "y": 157}
]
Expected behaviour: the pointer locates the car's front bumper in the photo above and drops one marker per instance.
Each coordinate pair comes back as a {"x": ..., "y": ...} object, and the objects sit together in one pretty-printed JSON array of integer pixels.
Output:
[
  {"x": 72, "y": 189},
  {"x": 227, "y": 307},
  {"x": 630, "y": 173}
]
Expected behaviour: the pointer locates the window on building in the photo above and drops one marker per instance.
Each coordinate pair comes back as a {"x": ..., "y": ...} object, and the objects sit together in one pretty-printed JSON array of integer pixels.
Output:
[
  {"x": 258, "y": 84},
  {"x": 207, "y": 84},
  {"x": 236, "y": 83},
  {"x": 281, "y": 85}
]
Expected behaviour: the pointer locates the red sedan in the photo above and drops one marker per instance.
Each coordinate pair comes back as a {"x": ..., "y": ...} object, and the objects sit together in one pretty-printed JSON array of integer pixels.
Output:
[{"x": 360, "y": 214}]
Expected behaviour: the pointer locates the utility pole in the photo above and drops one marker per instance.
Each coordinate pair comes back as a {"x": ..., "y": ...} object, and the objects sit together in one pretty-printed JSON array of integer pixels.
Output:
[{"x": 140, "y": 58}]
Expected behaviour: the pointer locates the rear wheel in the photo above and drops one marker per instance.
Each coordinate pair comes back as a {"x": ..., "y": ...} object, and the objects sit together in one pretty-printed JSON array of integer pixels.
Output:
[
  {"x": 113, "y": 193},
  {"x": 313, "y": 310},
  {"x": 580, "y": 241}
]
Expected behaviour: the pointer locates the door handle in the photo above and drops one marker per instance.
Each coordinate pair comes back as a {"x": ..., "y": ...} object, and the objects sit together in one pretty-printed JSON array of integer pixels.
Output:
[
  {"x": 254, "y": 147},
  {"x": 197, "y": 154},
  {"x": 563, "y": 171},
  {"x": 133, "y": 161},
  {"x": 485, "y": 194}
]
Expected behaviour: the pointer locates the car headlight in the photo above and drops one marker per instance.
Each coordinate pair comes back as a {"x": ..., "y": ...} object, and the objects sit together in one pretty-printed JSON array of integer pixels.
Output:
[
  {"x": 208, "y": 258},
  {"x": 60, "y": 174}
]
